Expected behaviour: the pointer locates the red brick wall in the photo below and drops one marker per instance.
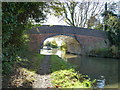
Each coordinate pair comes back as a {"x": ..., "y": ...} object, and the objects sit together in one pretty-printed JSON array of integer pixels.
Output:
[
  {"x": 36, "y": 40},
  {"x": 87, "y": 42}
]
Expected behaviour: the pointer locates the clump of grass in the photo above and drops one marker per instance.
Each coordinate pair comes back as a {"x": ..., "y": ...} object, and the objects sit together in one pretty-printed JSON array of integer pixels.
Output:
[{"x": 64, "y": 75}]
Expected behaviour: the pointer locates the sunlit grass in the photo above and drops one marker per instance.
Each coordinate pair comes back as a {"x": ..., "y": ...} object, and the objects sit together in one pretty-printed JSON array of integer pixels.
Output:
[
  {"x": 59, "y": 64},
  {"x": 64, "y": 75}
]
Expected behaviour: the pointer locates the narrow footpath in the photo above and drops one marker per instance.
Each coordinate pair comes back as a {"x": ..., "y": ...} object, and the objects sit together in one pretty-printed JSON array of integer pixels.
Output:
[{"x": 43, "y": 77}]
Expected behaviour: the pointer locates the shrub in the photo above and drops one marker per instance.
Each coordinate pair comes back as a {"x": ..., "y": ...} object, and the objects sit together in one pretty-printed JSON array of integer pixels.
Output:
[{"x": 64, "y": 75}]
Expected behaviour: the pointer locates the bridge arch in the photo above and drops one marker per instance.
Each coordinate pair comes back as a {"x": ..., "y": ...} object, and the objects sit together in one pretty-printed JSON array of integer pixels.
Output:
[
  {"x": 73, "y": 45},
  {"x": 57, "y": 34},
  {"x": 90, "y": 39}
]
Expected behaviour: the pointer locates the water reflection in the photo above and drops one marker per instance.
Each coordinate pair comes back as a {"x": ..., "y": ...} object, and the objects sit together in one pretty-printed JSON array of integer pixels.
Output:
[
  {"x": 92, "y": 66},
  {"x": 100, "y": 83},
  {"x": 96, "y": 67}
]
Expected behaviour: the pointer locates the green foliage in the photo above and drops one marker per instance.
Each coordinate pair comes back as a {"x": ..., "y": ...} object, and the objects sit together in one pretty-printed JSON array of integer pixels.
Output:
[
  {"x": 59, "y": 64},
  {"x": 102, "y": 52},
  {"x": 70, "y": 79},
  {"x": 54, "y": 44},
  {"x": 112, "y": 24},
  {"x": 35, "y": 63},
  {"x": 64, "y": 75},
  {"x": 63, "y": 47},
  {"x": 8, "y": 67},
  {"x": 99, "y": 27},
  {"x": 112, "y": 52},
  {"x": 113, "y": 29},
  {"x": 15, "y": 21}
]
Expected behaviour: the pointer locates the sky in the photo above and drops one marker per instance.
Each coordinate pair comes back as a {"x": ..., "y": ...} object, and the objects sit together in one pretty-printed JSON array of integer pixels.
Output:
[{"x": 52, "y": 20}]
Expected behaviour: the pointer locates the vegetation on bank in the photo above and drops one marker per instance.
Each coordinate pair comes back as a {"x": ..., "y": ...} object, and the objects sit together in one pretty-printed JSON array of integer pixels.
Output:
[
  {"x": 64, "y": 75},
  {"x": 25, "y": 72},
  {"x": 35, "y": 63},
  {"x": 112, "y": 52}
]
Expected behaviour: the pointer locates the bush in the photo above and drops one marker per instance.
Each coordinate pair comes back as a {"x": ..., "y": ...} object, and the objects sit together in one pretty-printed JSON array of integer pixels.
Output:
[
  {"x": 70, "y": 79},
  {"x": 64, "y": 75},
  {"x": 15, "y": 21}
]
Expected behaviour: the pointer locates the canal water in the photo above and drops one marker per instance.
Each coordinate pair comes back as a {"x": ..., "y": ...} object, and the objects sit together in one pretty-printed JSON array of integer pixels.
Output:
[{"x": 96, "y": 67}]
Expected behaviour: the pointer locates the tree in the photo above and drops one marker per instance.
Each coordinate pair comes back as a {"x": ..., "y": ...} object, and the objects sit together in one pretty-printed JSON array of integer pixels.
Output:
[
  {"x": 111, "y": 23},
  {"x": 16, "y": 18},
  {"x": 77, "y": 13},
  {"x": 113, "y": 30}
]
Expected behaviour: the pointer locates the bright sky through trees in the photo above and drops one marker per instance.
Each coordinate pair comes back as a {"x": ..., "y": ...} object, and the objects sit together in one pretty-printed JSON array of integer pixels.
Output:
[{"x": 52, "y": 20}]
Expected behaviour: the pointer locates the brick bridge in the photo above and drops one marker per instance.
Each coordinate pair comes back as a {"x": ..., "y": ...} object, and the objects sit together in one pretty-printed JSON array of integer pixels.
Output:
[{"x": 88, "y": 38}]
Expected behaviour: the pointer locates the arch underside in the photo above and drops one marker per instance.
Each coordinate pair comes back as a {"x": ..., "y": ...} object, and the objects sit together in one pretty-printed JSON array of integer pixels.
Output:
[{"x": 73, "y": 46}]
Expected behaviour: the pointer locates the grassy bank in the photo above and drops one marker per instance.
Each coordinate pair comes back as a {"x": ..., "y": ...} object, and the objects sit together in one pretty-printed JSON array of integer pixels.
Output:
[
  {"x": 64, "y": 75},
  {"x": 37, "y": 59}
]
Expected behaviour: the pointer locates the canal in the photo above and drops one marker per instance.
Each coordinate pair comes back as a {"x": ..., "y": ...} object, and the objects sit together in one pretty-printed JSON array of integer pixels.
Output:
[{"x": 95, "y": 67}]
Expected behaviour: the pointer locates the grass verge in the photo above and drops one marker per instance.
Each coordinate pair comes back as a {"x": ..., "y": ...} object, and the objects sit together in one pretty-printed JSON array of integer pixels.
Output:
[
  {"x": 35, "y": 63},
  {"x": 64, "y": 75}
]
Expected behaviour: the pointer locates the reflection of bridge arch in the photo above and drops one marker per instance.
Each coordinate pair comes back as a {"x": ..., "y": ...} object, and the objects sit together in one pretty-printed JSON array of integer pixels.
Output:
[
  {"x": 89, "y": 38},
  {"x": 73, "y": 46}
]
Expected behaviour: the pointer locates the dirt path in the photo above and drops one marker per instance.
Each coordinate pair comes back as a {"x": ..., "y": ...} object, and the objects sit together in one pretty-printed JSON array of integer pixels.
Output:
[{"x": 43, "y": 78}]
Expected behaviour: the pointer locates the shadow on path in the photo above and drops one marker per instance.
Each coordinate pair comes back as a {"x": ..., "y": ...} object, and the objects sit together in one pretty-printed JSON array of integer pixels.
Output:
[
  {"x": 45, "y": 66},
  {"x": 43, "y": 77}
]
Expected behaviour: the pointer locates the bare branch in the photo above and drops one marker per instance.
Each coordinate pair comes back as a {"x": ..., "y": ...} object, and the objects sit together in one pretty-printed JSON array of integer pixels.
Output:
[{"x": 79, "y": 13}]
